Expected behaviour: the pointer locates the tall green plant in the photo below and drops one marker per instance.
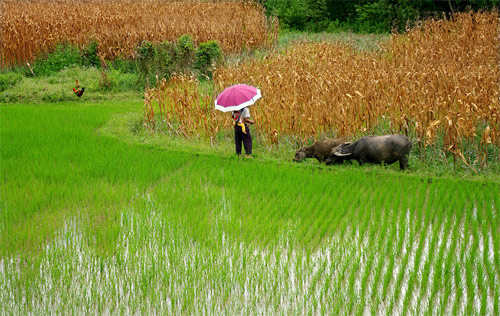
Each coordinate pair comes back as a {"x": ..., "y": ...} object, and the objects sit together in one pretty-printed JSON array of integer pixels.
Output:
[
  {"x": 90, "y": 54},
  {"x": 145, "y": 55},
  {"x": 62, "y": 57},
  {"x": 185, "y": 51},
  {"x": 155, "y": 60},
  {"x": 207, "y": 54}
]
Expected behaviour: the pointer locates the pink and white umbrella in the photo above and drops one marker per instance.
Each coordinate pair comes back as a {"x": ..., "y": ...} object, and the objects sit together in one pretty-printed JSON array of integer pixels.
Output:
[{"x": 237, "y": 97}]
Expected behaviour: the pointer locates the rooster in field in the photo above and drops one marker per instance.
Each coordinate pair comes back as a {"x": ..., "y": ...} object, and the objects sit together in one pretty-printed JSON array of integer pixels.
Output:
[{"x": 77, "y": 89}]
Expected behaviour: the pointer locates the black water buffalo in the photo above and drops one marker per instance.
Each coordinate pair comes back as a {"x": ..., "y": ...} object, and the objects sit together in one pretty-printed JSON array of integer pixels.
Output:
[
  {"x": 374, "y": 149},
  {"x": 320, "y": 149}
]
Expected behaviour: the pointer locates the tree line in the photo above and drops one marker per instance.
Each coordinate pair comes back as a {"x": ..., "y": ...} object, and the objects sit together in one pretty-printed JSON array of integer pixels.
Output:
[{"x": 366, "y": 16}]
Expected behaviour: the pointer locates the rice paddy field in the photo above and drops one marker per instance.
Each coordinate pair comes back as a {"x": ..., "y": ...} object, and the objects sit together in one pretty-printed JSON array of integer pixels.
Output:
[
  {"x": 92, "y": 224},
  {"x": 102, "y": 212}
]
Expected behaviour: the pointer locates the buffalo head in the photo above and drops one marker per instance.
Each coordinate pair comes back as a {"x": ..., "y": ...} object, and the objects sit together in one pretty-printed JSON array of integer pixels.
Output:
[
  {"x": 300, "y": 154},
  {"x": 339, "y": 154}
]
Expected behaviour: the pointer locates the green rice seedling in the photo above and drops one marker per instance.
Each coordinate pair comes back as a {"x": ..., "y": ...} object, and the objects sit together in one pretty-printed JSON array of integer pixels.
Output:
[
  {"x": 489, "y": 255},
  {"x": 481, "y": 263},
  {"x": 390, "y": 266},
  {"x": 396, "y": 251},
  {"x": 339, "y": 303},
  {"x": 345, "y": 226},
  {"x": 327, "y": 225},
  {"x": 382, "y": 248},
  {"x": 374, "y": 242},
  {"x": 434, "y": 232},
  {"x": 483, "y": 288},
  {"x": 413, "y": 278},
  {"x": 320, "y": 216},
  {"x": 461, "y": 277},
  {"x": 439, "y": 263},
  {"x": 398, "y": 282},
  {"x": 338, "y": 219},
  {"x": 321, "y": 226},
  {"x": 352, "y": 291},
  {"x": 470, "y": 286},
  {"x": 326, "y": 288},
  {"x": 406, "y": 271},
  {"x": 316, "y": 280},
  {"x": 469, "y": 258},
  {"x": 356, "y": 288},
  {"x": 449, "y": 268},
  {"x": 341, "y": 275},
  {"x": 458, "y": 289}
]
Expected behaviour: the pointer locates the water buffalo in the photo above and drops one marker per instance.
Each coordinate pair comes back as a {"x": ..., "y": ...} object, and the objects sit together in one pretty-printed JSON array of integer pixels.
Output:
[
  {"x": 320, "y": 149},
  {"x": 374, "y": 149}
]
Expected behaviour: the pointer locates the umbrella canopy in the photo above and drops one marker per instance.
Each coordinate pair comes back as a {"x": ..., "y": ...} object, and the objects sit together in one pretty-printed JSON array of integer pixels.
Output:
[{"x": 237, "y": 97}]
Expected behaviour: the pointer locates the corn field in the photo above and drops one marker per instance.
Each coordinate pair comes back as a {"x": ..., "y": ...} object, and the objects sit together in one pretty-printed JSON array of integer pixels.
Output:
[
  {"x": 438, "y": 84},
  {"x": 31, "y": 28}
]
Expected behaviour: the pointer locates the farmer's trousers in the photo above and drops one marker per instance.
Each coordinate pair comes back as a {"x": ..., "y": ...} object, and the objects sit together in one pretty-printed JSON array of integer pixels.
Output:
[{"x": 240, "y": 137}]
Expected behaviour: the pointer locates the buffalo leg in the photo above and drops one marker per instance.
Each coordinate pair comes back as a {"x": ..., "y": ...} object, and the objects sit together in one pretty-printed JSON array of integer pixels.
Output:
[{"x": 403, "y": 164}]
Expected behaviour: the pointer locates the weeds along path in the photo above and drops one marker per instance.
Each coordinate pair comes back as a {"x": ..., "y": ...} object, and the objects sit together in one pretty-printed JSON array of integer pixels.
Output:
[{"x": 91, "y": 225}]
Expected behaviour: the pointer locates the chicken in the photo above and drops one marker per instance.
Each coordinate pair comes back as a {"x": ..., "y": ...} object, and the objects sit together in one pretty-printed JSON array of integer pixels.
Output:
[
  {"x": 77, "y": 89},
  {"x": 78, "y": 92}
]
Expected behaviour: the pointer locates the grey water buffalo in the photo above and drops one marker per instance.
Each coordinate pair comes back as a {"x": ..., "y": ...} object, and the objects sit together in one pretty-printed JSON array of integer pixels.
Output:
[
  {"x": 320, "y": 150},
  {"x": 374, "y": 149}
]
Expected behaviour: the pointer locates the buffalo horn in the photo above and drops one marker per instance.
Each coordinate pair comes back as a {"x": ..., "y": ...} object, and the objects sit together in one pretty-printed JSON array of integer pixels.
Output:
[{"x": 340, "y": 154}]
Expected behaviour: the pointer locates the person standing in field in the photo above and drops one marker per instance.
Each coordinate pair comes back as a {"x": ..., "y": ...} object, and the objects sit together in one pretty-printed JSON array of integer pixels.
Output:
[{"x": 241, "y": 121}]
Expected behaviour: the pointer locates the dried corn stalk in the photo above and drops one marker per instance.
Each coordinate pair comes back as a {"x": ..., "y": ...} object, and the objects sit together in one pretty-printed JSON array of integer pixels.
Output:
[{"x": 30, "y": 28}]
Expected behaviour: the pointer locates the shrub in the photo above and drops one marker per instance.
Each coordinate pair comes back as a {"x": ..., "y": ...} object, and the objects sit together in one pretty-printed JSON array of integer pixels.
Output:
[
  {"x": 62, "y": 57},
  {"x": 89, "y": 54},
  {"x": 185, "y": 50},
  {"x": 164, "y": 59},
  {"x": 155, "y": 59},
  {"x": 8, "y": 80},
  {"x": 145, "y": 56},
  {"x": 207, "y": 54}
]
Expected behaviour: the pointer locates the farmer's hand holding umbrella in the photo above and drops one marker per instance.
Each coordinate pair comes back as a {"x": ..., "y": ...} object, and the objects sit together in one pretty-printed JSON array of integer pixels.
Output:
[{"x": 236, "y": 99}]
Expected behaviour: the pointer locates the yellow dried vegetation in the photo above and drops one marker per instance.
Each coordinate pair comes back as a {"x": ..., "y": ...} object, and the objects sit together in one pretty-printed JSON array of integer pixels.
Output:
[
  {"x": 438, "y": 84},
  {"x": 30, "y": 28}
]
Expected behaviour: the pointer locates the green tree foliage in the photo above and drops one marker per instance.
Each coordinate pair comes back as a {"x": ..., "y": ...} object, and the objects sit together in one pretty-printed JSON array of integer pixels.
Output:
[
  {"x": 185, "y": 50},
  {"x": 298, "y": 14},
  {"x": 206, "y": 55},
  {"x": 365, "y": 15},
  {"x": 374, "y": 17}
]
